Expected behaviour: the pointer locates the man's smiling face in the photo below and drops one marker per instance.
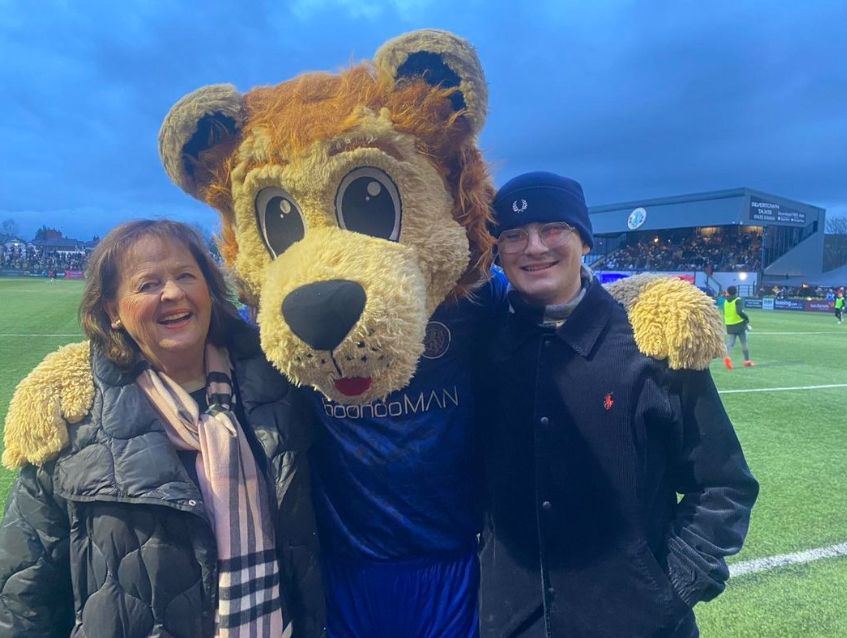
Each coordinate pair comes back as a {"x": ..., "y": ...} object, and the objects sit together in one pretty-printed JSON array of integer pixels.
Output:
[{"x": 544, "y": 275}]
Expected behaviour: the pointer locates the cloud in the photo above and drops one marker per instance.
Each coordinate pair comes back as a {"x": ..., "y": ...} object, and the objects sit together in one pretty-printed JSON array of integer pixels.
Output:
[
  {"x": 368, "y": 9},
  {"x": 666, "y": 102},
  {"x": 636, "y": 99}
]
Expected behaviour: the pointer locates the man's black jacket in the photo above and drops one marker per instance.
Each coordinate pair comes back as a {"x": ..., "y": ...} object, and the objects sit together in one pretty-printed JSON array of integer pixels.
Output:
[{"x": 587, "y": 444}]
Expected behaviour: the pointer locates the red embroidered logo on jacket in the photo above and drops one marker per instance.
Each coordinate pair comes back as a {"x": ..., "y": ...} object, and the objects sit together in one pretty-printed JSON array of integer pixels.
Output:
[{"x": 608, "y": 402}]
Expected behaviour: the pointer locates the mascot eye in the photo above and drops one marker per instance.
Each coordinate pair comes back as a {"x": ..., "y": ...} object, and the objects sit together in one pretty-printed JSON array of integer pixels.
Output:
[
  {"x": 279, "y": 218},
  {"x": 368, "y": 202}
]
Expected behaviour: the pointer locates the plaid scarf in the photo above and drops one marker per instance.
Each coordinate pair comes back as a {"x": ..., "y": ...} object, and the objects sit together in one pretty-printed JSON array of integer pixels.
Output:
[{"x": 234, "y": 495}]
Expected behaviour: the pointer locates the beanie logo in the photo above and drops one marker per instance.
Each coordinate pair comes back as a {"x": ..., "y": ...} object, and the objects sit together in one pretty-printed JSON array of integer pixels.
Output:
[{"x": 519, "y": 205}]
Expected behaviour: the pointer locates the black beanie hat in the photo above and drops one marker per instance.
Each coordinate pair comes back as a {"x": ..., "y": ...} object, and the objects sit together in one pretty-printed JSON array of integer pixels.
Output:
[{"x": 541, "y": 197}]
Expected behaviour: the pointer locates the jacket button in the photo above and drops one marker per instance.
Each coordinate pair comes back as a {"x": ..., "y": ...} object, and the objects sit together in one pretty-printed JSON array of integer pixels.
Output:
[
  {"x": 544, "y": 420},
  {"x": 547, "y": 506},
  {"x": 192, "y": 502},
  {"x": 551, "y": 591}
]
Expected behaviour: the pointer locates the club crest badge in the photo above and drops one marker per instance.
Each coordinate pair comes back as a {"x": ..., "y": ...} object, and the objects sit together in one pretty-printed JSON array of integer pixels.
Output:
[
  {"x": 636, "y": 218},
  {"x": 519, "y": 205},
  {"x": 436, "y": 340}
]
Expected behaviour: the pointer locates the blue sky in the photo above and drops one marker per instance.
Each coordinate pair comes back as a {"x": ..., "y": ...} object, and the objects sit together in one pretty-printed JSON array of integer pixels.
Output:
[{"x": 634, "y": 99}]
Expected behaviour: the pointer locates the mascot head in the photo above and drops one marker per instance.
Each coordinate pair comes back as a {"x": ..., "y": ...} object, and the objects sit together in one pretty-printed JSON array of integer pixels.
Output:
[{"x": 352, "y": 205}]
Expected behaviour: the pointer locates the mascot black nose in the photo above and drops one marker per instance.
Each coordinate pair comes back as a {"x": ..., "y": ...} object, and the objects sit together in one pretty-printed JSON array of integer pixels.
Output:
[{"x": 323, "y": 313}]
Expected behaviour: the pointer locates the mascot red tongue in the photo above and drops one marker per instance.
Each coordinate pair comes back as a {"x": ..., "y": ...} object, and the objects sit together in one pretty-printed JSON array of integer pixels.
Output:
[{"x": 353, "y": 386}]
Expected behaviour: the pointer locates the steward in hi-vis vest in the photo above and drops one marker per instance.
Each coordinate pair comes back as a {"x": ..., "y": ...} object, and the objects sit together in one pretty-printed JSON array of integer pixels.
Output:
[
  {"x": 737, "y": 324},
  {"x": 731, "y": 314}
]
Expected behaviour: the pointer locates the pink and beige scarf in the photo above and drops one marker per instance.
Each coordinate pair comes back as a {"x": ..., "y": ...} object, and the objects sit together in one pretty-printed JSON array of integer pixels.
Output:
[{"x": 235, "y": 496}]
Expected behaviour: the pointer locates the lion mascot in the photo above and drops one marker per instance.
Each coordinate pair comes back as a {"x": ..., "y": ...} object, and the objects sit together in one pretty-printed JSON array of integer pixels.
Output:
[{"x": 354, "y": 210}]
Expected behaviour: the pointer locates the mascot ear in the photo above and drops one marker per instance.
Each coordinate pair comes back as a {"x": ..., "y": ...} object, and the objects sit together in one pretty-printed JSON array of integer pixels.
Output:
[
  {"x": 208, "y": 119},
  {"x": 441, "y": 59}
]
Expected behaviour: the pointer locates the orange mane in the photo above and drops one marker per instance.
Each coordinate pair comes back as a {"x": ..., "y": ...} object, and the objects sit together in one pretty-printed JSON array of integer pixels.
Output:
[{"x": 320, "y": 106}]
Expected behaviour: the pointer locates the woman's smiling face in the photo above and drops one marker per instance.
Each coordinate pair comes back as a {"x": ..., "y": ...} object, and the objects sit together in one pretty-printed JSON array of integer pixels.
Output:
[{"x": 163, "y": 303}]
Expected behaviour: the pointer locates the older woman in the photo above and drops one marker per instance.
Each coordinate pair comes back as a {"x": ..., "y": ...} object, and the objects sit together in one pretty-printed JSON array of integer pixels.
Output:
[{"x": 180, "y": 504}]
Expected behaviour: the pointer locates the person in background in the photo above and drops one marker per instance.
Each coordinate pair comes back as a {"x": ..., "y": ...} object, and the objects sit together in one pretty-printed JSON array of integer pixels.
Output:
[
  {"x": 588, "y": 442},
  {"x": 839, "y": 305},
  {"x": 737, "y": 324},
  {"x": 180, "y": 504}
]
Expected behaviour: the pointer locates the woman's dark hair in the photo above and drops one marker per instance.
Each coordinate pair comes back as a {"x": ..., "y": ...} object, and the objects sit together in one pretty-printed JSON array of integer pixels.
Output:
[{"x": 102, "y": 280}]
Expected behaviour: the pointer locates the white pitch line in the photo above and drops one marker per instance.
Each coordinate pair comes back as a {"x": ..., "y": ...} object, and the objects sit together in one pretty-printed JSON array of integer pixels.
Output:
[
  {"x": 773, "y": 562},
  {"x": 42, "y": 291},
  {"x": 802, "y": 332},
  {"x": 14, "y": 334},
  {"x": 796, "y": 387}
]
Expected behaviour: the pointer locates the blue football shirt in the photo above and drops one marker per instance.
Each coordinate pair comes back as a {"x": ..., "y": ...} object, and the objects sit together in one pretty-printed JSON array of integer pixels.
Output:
[{"x": 398, "y": 479}]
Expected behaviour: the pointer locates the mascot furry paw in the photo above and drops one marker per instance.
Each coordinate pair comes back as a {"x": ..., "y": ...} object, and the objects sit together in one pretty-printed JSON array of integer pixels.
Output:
[
  {"x": 59, "y": 391},
  {"x": 352, "y": 205}
]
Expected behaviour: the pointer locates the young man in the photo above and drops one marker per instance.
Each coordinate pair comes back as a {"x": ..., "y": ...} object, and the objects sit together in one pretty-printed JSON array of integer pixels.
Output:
[
  {"x": 588, "y": 443},
  {"x": 737, "y": 324}
]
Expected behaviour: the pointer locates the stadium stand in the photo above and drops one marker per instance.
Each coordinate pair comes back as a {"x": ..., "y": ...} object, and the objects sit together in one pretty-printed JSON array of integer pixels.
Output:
[
  {"x": 692, "y": 249},
  {"x": 31, "y": 259},
  {"x": 43, "y": 257},
  {"x": 741, "y": 237}
]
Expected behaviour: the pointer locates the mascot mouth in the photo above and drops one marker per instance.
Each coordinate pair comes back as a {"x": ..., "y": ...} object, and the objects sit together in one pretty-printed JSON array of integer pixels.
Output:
[{"x": 353, "y": 386}]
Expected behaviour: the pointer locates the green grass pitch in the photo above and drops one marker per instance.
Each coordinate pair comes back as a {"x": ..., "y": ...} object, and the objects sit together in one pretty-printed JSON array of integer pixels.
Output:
[{"x": 795, "y": 441}]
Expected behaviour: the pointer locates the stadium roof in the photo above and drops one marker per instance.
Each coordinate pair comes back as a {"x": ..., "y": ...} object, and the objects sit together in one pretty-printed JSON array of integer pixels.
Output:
[{"x": 745, "y": 206}]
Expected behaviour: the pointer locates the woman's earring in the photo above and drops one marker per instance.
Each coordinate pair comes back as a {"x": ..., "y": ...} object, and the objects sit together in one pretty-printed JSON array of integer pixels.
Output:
[{"x": 116, "y": 324}]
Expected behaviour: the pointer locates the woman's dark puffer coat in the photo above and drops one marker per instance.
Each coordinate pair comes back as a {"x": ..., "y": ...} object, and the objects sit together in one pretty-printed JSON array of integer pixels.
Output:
[{"x": 111, "y": 539}]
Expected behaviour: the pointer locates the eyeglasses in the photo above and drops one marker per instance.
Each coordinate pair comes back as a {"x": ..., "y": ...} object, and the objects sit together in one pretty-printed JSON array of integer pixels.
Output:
[{"x": 552, "y": 235}]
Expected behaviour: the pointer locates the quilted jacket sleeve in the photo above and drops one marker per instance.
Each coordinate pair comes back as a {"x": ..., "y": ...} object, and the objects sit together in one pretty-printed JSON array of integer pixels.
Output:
[{"x": 36, "y": 598}]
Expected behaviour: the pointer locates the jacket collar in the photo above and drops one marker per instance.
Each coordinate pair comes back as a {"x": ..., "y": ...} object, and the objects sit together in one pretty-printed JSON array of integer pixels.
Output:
[
  {"x": 580, "y": 331},
  {"x": 588, "y": 320},
  {"x": 108, "y": 373}
]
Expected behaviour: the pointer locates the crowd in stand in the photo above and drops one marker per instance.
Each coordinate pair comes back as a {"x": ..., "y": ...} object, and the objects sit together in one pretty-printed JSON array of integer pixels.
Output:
[
  {"x": 805, "y": 291},
  {"x": 718, "y": 251},
  {"x": 31, "y": 259}
]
